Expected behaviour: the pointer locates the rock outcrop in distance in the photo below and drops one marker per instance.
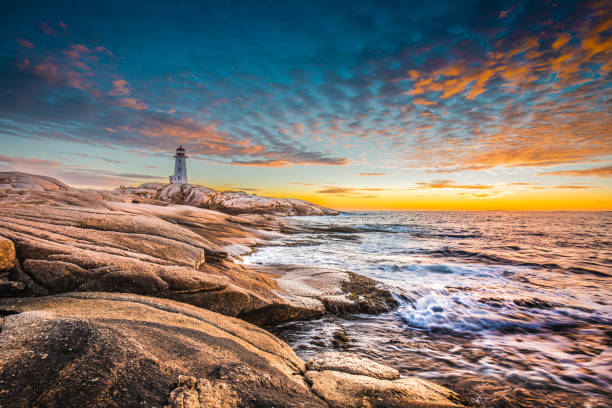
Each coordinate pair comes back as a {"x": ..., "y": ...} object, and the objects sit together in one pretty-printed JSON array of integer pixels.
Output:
[{"x": 230, "y": 202}]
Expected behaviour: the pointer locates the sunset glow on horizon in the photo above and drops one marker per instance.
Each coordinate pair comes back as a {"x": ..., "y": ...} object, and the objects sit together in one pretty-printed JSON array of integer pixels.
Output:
[{"x": 493, "y": 105}]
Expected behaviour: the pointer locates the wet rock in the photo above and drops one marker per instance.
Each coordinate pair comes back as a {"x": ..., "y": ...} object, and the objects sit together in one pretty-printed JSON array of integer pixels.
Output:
[
  {"x": 340, "y": 339},
  {"x": 347, "y": 380},
  {"x": 339, "y": 292},
  {"x": 368, "y": 295},
  {"x": 100, "y": 350},
  {"x": 7, "y": 254},
  {"x": 352, "y": 364}
]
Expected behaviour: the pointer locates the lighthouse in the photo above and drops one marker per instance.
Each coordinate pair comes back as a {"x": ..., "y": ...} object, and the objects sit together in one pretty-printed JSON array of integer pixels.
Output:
[{"x": 180, "y": 167}]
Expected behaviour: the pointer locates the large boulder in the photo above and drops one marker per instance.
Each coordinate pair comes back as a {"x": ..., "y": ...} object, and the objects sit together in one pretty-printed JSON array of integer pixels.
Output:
[
  {"x": 7, "y": 254},
  {"x": 118, "y": 350}
]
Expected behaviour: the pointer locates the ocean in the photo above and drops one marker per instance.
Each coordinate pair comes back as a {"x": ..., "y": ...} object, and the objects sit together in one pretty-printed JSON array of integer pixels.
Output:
[{"x": 510, "y": 309}]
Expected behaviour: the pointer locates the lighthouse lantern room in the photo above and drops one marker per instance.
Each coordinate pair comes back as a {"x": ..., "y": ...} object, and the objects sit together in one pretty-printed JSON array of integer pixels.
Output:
[{"x": 180, "y": 167}]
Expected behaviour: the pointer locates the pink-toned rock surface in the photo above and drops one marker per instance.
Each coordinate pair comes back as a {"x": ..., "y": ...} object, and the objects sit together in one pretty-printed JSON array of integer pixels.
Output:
[
  {"x": 231, "y": 202},
  {"x": 66, "y": 341},
  {"x": 85, "y": 240},
  {"x": 123, "y": 350}
]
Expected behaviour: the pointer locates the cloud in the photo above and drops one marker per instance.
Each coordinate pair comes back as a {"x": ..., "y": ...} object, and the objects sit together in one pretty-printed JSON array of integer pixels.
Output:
[
  {"x": 504, "y": 13},
  {"x": 137, "y": 176},
  {"x": 77, "y": 50},
  {"x": 574, "y": 186},
  {"x": 133, "y": 103},
  {"x": 350, "y": 192},
  {"x": 372, "y": 174},
  {"x": 451, "y": 184},
  {"x": 25, "y": 43},
  {"x": 326, "y": 161},
  {"x": 425, "y": 102},
  {"x": 522, "y": 184},
  {"x": 605, "y": 171},
  {"x": 248, "y": 189},
  {"x": 25, "y": 162},
  {"x": 120, "y": 87},
  {"x": 59, "y": 29},
  {"x": 75, "y": 175},
  {"x": 528, "y": 91}
]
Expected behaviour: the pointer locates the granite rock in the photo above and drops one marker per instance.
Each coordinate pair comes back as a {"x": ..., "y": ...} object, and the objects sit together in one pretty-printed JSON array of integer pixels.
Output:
[
  {"x": 347, "y": 380},
  {"x": 122, "y": 350}
]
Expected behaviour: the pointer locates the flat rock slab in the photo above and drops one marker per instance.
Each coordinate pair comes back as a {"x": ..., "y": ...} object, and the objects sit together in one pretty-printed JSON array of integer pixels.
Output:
[
  {"x": 352, "y": 364},
  {"x": 341, "y": 390}
]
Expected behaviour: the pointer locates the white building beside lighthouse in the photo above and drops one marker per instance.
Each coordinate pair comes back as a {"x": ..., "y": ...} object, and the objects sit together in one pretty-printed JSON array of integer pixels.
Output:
[{"x": 180, "y": 167}]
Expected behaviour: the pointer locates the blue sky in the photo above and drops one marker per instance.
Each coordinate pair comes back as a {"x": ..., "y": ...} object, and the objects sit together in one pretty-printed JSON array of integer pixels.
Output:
[{"x": 352, "y": 104}]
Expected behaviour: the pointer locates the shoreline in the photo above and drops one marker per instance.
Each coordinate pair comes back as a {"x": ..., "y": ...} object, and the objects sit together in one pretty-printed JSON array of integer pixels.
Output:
[{"x": 115, "y": 283}]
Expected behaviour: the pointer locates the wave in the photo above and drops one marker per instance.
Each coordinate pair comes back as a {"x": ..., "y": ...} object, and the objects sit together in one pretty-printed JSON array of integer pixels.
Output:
[
  {"x": 490, "y": 259},
  {"x": 447, "y": 252},
  {"x": 444, "y": 311},
  {"x": 447, "y": 235}
]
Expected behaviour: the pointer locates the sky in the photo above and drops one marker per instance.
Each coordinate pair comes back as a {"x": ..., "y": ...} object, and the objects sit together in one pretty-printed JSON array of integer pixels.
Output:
[{"x": 409, "y": 105}]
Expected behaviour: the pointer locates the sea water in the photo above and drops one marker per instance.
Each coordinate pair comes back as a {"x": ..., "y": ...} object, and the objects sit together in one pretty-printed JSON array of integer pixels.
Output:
[{"x": 511, "y": 309}]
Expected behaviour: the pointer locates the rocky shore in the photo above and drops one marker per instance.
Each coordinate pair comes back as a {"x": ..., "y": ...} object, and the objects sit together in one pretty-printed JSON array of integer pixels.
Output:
[{"x": 134, "y": 297}]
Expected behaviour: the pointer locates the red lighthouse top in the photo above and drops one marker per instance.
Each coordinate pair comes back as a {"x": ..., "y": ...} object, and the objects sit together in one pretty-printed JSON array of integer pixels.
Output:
[{"x": 180, "y": 151}]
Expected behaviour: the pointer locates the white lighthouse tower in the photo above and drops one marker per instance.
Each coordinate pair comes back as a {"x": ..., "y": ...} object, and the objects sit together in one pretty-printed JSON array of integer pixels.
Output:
[{"x": 180, "y": 167}]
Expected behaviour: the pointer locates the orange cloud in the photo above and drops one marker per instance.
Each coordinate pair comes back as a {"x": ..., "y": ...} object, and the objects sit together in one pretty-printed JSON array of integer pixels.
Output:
[
  {"x": 504, "y": 13},
  {"x": 450, "y": 184},
  {"x": 521, "y": 65},
  {"x": 120, "y": 88},
  {"x": 561, "y": 40},
  {"x": 574, "y": 186},
  {"x": 287, "y": 163},
  {"x": 76, "y": 51},
  {"x": 133, "y": 103},
  {"x": 200, "y": 138},
  {"x": 351, "y": 192},
  {"x": 570, "y": 130},
  {"x": 21, "y": 163},
  {"x": 421, "y": 101},
  {"x": 597, "y": 172}
]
